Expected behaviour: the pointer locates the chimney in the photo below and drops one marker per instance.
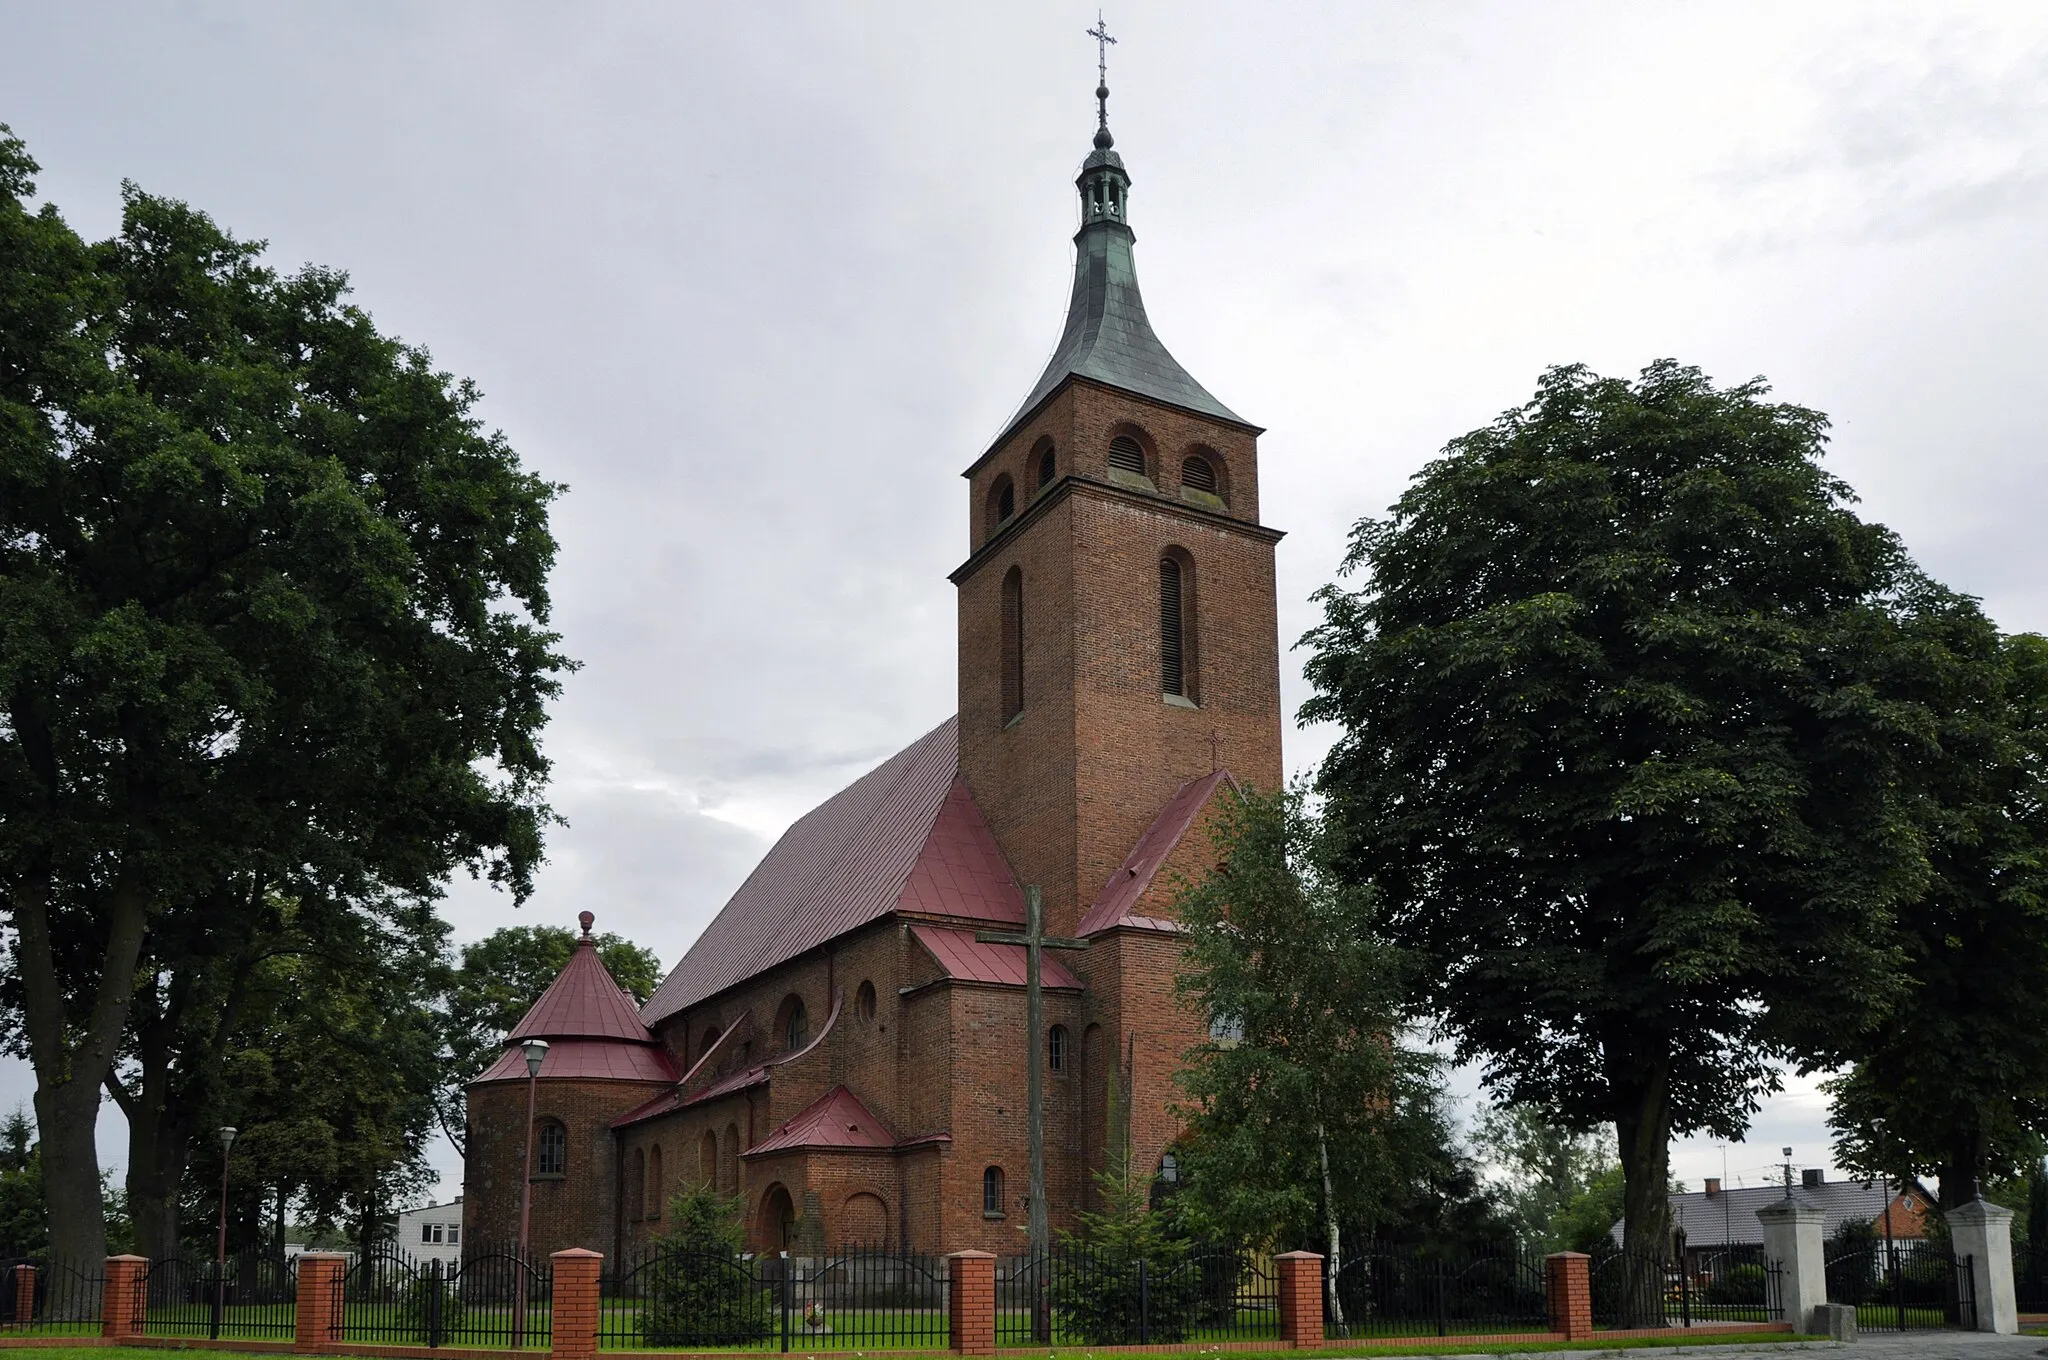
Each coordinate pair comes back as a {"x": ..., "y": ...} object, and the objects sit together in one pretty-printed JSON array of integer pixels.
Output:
[
  {"x": 1813, "y": 1177},
  {"x": 1713, "y": 1186}
]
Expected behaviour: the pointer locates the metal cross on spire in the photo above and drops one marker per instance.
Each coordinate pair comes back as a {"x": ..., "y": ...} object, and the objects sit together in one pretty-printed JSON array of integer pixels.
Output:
[{"x": 1103, "y": 42}]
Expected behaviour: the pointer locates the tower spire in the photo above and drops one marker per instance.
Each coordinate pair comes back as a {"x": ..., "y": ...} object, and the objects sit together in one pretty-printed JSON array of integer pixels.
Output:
[{"x": 1103, "y": 42}]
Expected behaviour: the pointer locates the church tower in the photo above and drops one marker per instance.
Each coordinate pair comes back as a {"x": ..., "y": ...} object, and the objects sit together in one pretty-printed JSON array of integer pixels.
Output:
[
  {"x": 1119, "y": 660},
  {"x": 1118, "y": 624}
]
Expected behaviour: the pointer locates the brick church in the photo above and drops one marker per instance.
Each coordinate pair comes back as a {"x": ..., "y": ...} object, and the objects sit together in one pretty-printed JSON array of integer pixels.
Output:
[{"x": 837, "y": 1048}]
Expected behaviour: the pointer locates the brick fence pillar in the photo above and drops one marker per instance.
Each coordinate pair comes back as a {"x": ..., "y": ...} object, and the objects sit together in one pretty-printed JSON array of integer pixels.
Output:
[
  {"x": 1569, "y": 1287},
  {"x": 971, "y": 1301},
  {"x": 24, "y": 1295},
  {"x": 574, "y": 1326},
  {"x": 1301, "y": 1298},
  {"x": 320, "y": 1307},
  {"x": 123, "y": 1302}
]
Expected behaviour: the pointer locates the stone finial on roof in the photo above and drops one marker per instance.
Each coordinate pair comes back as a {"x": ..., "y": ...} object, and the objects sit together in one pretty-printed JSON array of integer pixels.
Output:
[{"x": 586, "y": 919}]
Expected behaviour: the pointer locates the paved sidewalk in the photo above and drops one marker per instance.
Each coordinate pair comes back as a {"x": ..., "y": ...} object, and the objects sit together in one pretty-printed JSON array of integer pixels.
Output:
[{"x": 1927, "y": 1345}]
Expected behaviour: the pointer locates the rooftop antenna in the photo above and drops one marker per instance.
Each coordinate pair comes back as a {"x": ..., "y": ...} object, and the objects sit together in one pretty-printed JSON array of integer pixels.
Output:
[{"x": 1103, "y": 42}]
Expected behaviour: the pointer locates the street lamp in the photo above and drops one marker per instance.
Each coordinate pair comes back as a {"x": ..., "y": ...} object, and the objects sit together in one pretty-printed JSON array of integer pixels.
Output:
[
  {"x": 536, "y": 1054},
  {"x": 220, "y": 1245}
]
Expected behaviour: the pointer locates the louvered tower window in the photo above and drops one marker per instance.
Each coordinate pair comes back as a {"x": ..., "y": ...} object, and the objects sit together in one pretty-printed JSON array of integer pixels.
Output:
[
  {"x": 1172, "y": 634},
  {"x": 1127, "y": 455},
  {"x": 1046, "y": 468},
  {"x": 1006, "y": 502},
  {"x": 1197, "y": 475},
  {"x": 1013, "y": 644}
]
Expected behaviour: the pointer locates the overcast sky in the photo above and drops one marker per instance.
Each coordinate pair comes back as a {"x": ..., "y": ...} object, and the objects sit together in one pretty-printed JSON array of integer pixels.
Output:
[{"x": 757, "y": 282}]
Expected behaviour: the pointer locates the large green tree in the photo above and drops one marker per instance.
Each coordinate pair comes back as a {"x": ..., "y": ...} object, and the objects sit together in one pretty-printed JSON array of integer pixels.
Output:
[
  {"x": 497, "y": 982},
  {"x": 1954, "y": 1082},
  {"x": 1551, "y": 1176},
  {"x": 1622, "y": 745},
  {"x": 1301, "y": 1105},
  {"x": 273, "y": 607}
]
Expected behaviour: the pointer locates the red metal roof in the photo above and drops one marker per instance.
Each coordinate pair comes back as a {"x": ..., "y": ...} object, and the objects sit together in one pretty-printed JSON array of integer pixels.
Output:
[
  {"x": 583, "y": 1002},
  {"x": 966, "y": 958},
  {"x": 907, "y": 835},
  {"x": 836, "y": 1119},
  {"x": 1115, "y": 904},
  {"x": 587, "y": 1060}
]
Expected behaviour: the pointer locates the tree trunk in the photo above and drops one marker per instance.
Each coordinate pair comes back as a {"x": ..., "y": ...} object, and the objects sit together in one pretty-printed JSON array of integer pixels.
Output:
[
  {"x": 1962, "y": 1171},
  {"x": 1643, "y": 1132},
  {"x": 1334, "y": 1304},
  {"x": 158, "y": 1154},
  {"x": 73, "y": 1055}
]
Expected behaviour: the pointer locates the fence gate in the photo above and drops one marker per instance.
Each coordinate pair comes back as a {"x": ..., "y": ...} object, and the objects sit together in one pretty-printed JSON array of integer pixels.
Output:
[{"x": 1905, "y": 1286}]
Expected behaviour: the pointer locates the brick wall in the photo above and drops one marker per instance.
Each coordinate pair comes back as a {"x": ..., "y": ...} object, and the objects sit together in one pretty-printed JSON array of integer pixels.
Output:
[{"x": 577, "y": 1209}]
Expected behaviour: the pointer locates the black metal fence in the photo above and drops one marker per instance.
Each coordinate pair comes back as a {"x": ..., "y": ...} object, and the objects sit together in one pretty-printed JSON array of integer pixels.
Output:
[
  {"x": 491, "y": 1298},
  {"x": 1723, "y": 1285},
  {"x": 62, "y": 1298},
  {"x": 858, "y": 1298},
  {"x": 1411, "y": 1291},
  {"x": 2030, "y": 1278},
  {"x": 254, "y": 1296},
  {"x": 1904, "y": 1285},
  {"x": 1079, "y": 1296}
]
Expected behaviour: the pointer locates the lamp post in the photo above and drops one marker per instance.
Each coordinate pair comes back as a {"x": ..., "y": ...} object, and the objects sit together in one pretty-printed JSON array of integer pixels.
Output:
[
  {"x": 220, "y": 1244},
  {"x": 536, "y": 1054}
]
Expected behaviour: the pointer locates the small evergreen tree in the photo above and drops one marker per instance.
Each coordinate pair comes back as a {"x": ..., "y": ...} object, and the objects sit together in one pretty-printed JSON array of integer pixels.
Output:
[
  {"x": 699, "y": 1289},
  {"x": 1127, "y": 1275}
]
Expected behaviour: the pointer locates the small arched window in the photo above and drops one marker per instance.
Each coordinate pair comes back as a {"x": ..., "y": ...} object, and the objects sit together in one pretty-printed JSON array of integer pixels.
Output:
[
  {"x": 551, "y": 1149},
  {"x": 1056, "y": 1048},
  {"x": 655, "y": 1190},
  {"x": 992, "y": 1192},
  {"x": 1013, "y": 644},
  {"x": 1198, "y": 474},
  {"x": 1047, "y": 467},
  {"x": 1172, "y": 630},
  {"x": 793, "y": 1023},
  {"x": 1127, "y": 455},
  {"x": 1002, "y": 503},
  {"x": 864, "y": 1001}
]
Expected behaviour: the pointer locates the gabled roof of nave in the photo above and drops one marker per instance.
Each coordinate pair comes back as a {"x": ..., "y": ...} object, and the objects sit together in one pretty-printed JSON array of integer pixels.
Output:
[{"x": 905, "y": 835}]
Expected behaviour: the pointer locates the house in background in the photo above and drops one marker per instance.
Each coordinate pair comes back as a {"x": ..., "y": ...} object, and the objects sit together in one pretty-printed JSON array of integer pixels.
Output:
[
  {"x": 1716, "y": 1219},
  {"x": 432, "y": 1233}
]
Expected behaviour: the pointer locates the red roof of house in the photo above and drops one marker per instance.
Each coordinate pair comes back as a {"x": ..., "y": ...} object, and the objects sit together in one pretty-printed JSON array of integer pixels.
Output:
[
  {"x": 587, "y": 1060},
  {"x": 583, "y": 1002},
  {"x": 1115, "y": 905},
  {"x": 906, "y": 836},
  {"x": 966, "y": 958},
  {"x": 836, "y": 1119}
]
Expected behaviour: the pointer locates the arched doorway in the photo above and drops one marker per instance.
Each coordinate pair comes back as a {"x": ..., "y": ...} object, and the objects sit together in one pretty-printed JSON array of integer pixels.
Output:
[{"x": 775, "y": 1226}]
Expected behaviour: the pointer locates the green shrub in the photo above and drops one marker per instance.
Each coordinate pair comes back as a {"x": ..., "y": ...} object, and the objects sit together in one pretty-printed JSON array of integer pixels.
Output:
[
  {"x": 1123, "y": 1254},
  {"x": 696, "y": 1288},
  {"x": 1737, "y": 1284},
  {"x": 415, "y": 1304}
]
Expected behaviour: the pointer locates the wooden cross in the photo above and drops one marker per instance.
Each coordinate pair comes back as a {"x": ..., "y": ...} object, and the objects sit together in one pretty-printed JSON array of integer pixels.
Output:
[{"x": 1035, "y": 942}]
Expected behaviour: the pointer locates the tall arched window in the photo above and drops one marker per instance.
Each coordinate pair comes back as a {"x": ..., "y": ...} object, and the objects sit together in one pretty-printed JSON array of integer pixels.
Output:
[
  {"x": 636, "y": 1187},
  {"x": 1013, "y": 644},
  {"x": 1173, "y": 633},
  {"x": 1002, "y": 503},
  {"x": 992, "y": 1192},
  {"x": 1056, "y": 1048},
  {"x": 655, "y": 1190},
  {"x": 551, "y": 1149}
]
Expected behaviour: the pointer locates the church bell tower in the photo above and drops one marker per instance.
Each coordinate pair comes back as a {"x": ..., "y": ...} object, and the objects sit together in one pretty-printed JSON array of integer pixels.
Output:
[{"x": 1118, "y": 627}]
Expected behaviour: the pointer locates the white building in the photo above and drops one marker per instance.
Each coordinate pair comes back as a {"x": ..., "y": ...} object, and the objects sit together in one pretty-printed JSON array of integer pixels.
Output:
[{"x": 432, "y": 1233}]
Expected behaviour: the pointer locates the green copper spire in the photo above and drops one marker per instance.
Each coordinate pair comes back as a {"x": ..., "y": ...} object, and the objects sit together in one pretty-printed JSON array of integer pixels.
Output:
[{"x": 1108, "y": 338}]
